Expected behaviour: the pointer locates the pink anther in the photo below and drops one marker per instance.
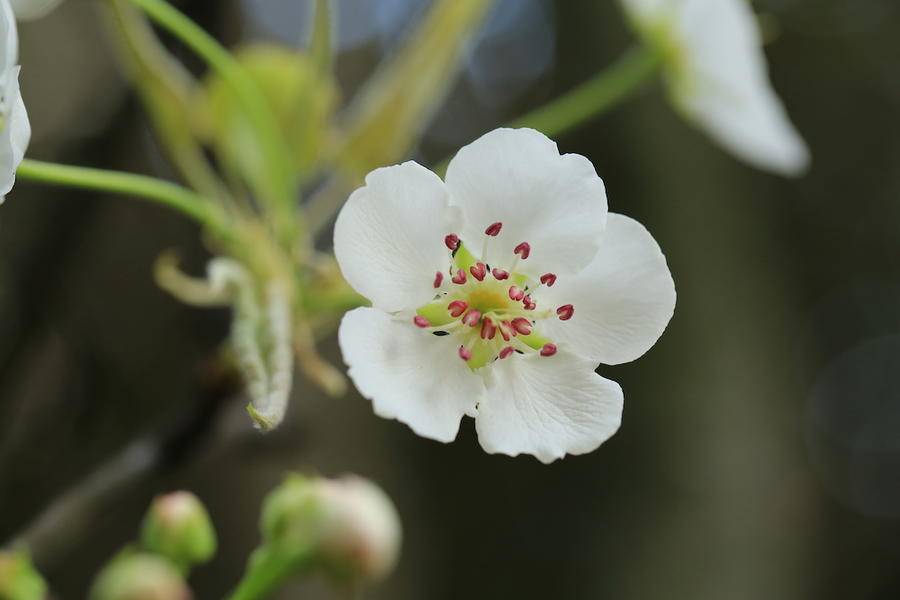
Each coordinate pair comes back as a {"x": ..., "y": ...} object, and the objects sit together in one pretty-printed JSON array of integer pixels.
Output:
[
  {"x": 478, "y": 271},
  {"x": 565, "y": 312},
  {"x": 494, "y": 229},
  {"x": 457, "y": 308},
  {"x": 451, "y": 241}
]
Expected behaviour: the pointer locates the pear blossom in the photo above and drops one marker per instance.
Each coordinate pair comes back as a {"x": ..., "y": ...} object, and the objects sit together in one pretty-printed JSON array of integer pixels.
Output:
[
  {"x": 15, "y": 130},
  {"x": 496, "y": 294},
  {"x": 718, "y": 78}
]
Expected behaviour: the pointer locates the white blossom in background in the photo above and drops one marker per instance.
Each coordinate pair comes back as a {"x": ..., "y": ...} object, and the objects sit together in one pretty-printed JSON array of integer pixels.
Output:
[
  {"x": 718, "y": 78},
  {"x": 27, "y": 10},
  {"x": 496, "y": 294},
  {"x": 15, "y": 130}
]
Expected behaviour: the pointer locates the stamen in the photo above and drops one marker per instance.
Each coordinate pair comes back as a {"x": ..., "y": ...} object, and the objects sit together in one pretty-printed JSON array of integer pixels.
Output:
[
  {"x": 522, "y": 325},
  {"x": 548, "y": 279},
  {"x": 505, "y": 331},
  {"x": 459, "y": 277},
  {"x": 421, "y": 321},
  {"x": 438, "y": 279},
  {"x": 548, "y": 350},
  {"x": 457, "y": 308},
  {"x": 478, "y": 271},
  {"x": 500, "y": 274},
  {"x": 506, "y": 352},
  {"x": 529, "y": 303},
  {"x": 451, "y": 241},
  {"x": 523, "y": 250},
  {"x": 493, "y": 229},
  {"x": 472, "y": 318},
  {"x": 488, "y": 329},
  {"x": 464, "y": 353},
  {"x": 506, "y": 326},
  {"x": 565, "y": 312},
  {"x": 516, "y": 293}
]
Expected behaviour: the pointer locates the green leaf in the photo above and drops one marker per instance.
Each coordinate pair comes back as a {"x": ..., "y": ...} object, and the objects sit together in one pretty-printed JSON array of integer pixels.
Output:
[
  {"x": 320, "y": 41},
  {"x": 391, "y": 112}
]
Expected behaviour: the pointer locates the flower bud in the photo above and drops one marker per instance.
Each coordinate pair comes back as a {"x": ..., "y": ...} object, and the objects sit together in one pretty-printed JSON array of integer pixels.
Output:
[
  {"x": 139, "y": 576},
  {"x": 18, "y": 578},
  {"x": 178, "y": 527},
  {"x": 350, "y": 526}
]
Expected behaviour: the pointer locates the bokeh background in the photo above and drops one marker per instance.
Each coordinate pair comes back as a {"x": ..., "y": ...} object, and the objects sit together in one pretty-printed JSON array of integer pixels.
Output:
[{"x": 760, "y": 451}]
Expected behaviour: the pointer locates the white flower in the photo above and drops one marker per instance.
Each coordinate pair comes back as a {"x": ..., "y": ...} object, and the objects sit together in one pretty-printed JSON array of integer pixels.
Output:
[
  {"x": 496, "y": 294},
  {"x": 717, "y": 76},
  {"x": 27, "y": 10},
  {"x": 15, "y": 130}
]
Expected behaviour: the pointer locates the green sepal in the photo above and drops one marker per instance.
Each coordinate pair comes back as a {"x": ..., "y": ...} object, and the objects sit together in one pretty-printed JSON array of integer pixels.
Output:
[
  {"x": 462, "y": 258},
  {"x": 533, "y": 340},
  {"x": 263, "y": 423},
  {"x": 482, "y": 354},
  {"x": 436, "y": 312}
]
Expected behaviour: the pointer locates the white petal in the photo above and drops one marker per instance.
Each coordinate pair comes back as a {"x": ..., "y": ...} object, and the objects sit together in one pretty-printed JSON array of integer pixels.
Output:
[
  {"x": 409, "y": 374},
  {"x": 15, "y": 135},
  {"x": 9, "y": 51},
  {"x": 27, "y": 10},
  {"x": 547, "y": 407},
  {"x": 623, "y": 300},
  {"x": 555, "y": 203},
  {"x": 720, "y": 79},
  {"x": 389, "y": 237}
]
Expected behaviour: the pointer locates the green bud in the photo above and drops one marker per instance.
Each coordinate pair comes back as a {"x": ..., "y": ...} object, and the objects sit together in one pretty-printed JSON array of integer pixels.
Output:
[
  {"x": 178, "y": 527},
  {"x": 302, "y": 100},
  {"x": 348, "y": 526},
  {"x": 139, "y": 576},
  {"x": 18, "y": 578}
]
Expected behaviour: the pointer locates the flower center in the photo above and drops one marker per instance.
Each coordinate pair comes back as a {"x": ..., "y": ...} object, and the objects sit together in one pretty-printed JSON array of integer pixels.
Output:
[{"x": 491, "y": 309}]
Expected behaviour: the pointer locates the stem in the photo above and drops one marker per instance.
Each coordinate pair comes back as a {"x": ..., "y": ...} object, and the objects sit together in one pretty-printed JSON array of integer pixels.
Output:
[
  {"x": 268, "y": 569},
  {"x": 272, "y": 144},
  {"x": 166, "y": 89},
  {"x": 595, "y": 96},
  {"x": 590, "y": 99},
  {"x": 149, "y": 188},
  {"x": 73, "y": 515}
]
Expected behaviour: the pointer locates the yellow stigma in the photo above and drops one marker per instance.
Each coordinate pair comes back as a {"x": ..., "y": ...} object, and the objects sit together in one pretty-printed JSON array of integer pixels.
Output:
[{"x": 489, "y": 297}]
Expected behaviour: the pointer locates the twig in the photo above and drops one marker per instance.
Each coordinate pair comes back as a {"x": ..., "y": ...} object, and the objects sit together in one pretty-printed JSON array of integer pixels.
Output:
[{"x": 218, "y": 421}]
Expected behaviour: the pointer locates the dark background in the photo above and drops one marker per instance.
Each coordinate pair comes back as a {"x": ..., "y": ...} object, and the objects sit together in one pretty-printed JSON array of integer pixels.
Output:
[{"x": 760, "y": 451}]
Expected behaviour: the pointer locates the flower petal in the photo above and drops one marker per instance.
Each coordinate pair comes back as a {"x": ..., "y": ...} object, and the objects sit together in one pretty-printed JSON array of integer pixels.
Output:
[
  {"x": 15, "y": 135},
  {"x": 389, "y": 237},
  {"x": 734, "y": 100},
  {"x": 409, "y": 374},
  {"x": 517, "y": 177},
  {"x": 547, "y": 407},
  {"x": 623, "y": 300},
  {"x": 9, "y": 50},
  {"x": 718, "y": 77}
]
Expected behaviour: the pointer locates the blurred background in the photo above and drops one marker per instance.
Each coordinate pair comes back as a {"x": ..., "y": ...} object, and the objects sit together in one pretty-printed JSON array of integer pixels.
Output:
[{"x": 759, "y": 455}]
